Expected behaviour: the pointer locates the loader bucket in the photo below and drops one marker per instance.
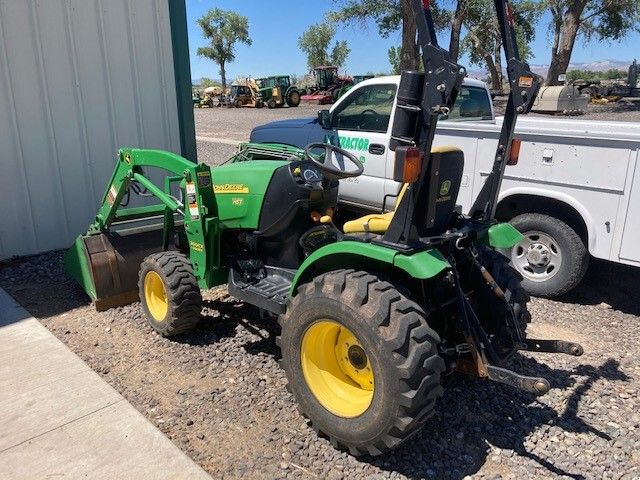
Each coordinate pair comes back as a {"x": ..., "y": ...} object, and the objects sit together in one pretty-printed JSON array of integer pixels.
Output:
[{"x": 106, "y": 265}]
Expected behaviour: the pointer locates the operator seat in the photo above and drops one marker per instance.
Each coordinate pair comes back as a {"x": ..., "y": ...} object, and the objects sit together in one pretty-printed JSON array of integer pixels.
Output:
[
  {"x": 376, "y": 222},
  {"x": 452, "y": 165}
]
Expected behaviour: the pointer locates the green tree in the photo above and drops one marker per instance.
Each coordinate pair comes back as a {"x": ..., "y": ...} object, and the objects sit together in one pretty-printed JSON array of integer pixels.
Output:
[
  {"x": 483, "y": 41},
  {"x": 223, "y": 29},
  {"x": 208, "y": 82},
  {"x": 591, "y": 19},
  {"x": 394, "y": 60},
  {"x": 611, "y": 74},
  {"x": 315, "y": 43},
  {"x": 392, "y": 16}
]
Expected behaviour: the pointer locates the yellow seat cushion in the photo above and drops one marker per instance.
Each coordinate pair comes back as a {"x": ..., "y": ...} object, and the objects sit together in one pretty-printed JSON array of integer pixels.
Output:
[{"x": 376, "y": 222}]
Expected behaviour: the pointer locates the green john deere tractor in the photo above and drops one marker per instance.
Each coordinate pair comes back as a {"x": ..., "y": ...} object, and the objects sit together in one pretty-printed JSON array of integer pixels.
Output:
[
  {"x": 277, "y": 91},
  {"x": 373, "y": 312}
]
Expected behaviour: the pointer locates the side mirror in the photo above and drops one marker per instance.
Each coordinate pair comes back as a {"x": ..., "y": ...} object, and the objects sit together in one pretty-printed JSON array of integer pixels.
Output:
[{"x": 324, "y": 119}]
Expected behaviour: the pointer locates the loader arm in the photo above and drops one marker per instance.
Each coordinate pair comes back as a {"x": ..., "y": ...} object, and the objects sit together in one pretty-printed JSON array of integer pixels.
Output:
[{"x": 106, "y": 259}]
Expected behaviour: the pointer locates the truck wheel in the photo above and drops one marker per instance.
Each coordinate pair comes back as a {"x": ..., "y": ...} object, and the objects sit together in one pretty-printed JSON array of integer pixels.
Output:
[
  {"x": 169, "y": 293},
  {"x": 552, "y": 258},
  {"x": 271, "y": 104},
  {"x": 259, "y": 103},
  {"x": 293, "y": 98},
  {"x": 361, "y": 361}
]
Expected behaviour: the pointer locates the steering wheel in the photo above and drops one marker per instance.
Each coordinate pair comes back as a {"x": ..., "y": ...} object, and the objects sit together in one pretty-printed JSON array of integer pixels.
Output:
[
  {"x": 326, "y": 164},
  {"x": 369, "y": 116}
]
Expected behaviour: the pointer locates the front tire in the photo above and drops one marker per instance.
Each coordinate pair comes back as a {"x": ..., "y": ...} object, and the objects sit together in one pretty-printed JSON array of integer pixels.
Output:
[
  {"x": 338, "y": 326},
  {"x": 169, "y": 293},
  {"x": 552, "y": 258}
]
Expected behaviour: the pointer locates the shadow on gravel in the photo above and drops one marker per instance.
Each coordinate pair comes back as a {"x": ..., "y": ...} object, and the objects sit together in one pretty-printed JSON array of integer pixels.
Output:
[
  {"x": 474, "y": 413},
  {"x": 221, "y": 317},
  {"x": 611, "y": 283},
  {"x": 41, "y": 286}
]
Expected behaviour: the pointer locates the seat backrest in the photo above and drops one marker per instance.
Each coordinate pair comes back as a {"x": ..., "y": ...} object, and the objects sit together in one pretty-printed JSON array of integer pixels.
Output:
[
  {"x": 403, "y": 190},
  {"x": 445, "y": 176}
]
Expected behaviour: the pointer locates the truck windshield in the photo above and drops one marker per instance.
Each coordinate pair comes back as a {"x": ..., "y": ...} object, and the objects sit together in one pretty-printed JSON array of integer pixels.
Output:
[{"x": 473, "y": 103}]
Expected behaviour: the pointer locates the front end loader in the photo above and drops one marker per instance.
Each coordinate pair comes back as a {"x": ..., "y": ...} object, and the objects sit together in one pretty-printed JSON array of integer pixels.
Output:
[{"x": 373, "y": 312}]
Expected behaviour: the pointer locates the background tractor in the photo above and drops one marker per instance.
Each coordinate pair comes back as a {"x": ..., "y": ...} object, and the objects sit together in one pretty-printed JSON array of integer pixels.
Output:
[
  {"x": 373, "y": 312},
  {"x": 329, "y": 86},
  {"x": 277, "y": 91},
  {"x": 245, "y": 94}
]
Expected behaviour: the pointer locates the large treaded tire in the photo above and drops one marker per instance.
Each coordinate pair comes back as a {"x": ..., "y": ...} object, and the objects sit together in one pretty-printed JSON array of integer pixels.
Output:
[
  {"x": 575, "y": 256},
  {"x": 182, "y": 292},
  {"x": 293, "y": 98},
  {"x": 401, "y": 347}
]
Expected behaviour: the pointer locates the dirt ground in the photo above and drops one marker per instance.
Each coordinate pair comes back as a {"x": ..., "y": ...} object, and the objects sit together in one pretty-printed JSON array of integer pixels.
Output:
[{"x": 219, "y": 394}]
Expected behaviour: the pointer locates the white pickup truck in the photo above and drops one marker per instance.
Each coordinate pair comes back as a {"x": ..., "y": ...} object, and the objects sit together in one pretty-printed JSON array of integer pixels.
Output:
[{"x": 575, "y": 191}]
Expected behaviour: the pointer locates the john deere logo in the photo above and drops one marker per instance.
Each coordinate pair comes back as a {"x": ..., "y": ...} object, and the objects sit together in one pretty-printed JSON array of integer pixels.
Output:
[{"x": 445, "y": 187}]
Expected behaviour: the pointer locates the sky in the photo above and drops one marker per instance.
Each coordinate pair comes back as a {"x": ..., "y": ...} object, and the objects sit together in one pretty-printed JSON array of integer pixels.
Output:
[{"x": 275, "y": 26}]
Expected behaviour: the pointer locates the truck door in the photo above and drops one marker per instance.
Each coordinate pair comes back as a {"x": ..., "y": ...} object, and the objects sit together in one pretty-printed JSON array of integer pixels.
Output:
[
  {"x": 630, "y": 249},
  {"x": 361, "y": 124}
]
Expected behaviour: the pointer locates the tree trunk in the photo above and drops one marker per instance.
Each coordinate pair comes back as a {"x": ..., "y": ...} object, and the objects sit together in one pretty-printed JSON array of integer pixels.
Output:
[
  {"x": 494, "y": 71},
  {"x": 223, "y": 77},
  {"x": 410, "y": 53},
  {"x": 565, "y": 41},
  {"x": 496, "y": 77},
  {"x": 456, "y": 28}
]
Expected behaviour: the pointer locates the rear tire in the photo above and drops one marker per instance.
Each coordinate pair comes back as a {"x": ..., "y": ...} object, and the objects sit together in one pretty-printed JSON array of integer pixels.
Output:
[
  {"x": 397, "y": 344},
  {"x": 169, "y": 293},
  {"x": 548, "y": 238},
  {"x": 271, "y": 104}
]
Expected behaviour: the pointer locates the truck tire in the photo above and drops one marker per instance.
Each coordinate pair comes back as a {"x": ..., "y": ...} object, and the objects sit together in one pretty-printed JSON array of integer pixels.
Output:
[
  {"x": 361, "y": 361},
  {"x": 552, "y": 258},
  {"x": 169, "y": 293},
  {"x": 293, "y": 98},
  {"x": 272, "y": 104}
]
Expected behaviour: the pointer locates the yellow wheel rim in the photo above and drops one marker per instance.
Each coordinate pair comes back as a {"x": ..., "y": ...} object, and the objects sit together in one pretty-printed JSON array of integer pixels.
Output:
[
  {"x": 336, "y": 369},
  {"x": 155, "y": 296}
]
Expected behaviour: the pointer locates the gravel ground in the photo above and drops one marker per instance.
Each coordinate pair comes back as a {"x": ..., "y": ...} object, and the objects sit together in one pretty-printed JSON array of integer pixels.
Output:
[{"x": 219, "y": 395}]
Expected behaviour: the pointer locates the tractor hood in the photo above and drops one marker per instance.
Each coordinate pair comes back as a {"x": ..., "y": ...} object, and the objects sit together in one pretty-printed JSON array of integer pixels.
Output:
[{"x": 298, "y": 132}]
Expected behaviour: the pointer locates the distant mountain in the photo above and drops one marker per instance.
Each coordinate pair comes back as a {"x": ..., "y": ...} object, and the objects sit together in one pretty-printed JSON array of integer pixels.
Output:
[{"x": 595, "y": 66}]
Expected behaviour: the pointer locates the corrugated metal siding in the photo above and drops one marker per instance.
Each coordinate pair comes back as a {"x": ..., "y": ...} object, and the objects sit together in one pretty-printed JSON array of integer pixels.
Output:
[{"x": 78, "y": 79}]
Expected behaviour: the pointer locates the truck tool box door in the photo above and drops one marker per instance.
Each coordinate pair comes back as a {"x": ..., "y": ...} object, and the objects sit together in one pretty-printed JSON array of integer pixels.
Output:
[{"x": 630, "y": 250}]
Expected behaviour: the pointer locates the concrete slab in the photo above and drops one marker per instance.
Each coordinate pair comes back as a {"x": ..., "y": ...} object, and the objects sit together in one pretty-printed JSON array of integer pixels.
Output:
[{"x": 60, "y": 419}]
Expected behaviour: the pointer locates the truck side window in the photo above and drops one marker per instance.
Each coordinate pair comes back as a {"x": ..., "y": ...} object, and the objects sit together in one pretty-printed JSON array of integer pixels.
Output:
[
  {"x": 472, "y": 103},
  {"x": 367, "y": 109}
]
